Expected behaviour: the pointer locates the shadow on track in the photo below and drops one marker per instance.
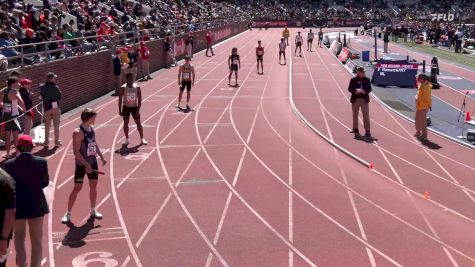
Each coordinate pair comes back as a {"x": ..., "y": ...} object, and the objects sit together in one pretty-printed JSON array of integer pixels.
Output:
[{"x": 76, "y": 235}]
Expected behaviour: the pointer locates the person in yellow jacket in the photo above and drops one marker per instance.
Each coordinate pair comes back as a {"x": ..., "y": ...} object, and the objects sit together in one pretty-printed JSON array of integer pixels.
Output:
[
  {"x": 286, "y": 35},
  {"x": 423, "y": 104}
]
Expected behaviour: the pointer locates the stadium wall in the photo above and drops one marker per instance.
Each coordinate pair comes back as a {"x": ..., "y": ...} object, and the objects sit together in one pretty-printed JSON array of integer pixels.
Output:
[{"x": 88, "y": 77}]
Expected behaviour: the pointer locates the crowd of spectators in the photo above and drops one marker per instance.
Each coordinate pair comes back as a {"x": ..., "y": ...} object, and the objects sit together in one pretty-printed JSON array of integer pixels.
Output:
[{"x": 64, "y": 20}]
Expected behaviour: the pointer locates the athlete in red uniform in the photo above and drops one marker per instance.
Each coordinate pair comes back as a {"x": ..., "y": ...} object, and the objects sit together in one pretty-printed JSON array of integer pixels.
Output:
[{"x": 260, "y": 57}]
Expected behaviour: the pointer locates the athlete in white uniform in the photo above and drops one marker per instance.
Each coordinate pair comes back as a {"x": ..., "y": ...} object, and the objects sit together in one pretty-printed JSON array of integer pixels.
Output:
[
  {"x": 186, "y": 78},
  {"x": 310, "y": 37},
  {"x": 282, "y": 47},
  {"x": 298, "y": 43},
  {"x": 130, "y": 100}
]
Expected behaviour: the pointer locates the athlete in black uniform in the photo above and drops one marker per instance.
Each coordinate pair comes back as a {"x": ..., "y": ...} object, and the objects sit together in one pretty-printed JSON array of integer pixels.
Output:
[
  {"x": 234, "y": 63},
  {"x": 260, "y": 57},
  {"x": 85, "y": 149}
]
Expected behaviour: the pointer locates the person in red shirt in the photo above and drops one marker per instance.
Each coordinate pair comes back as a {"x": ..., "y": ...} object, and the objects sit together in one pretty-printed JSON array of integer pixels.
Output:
[
  {"x": 144, "y": 55},
  {"x": 103, "y": 30},
  {"x": 209, "y": 44},
  {"x": 260, "y": 57}
]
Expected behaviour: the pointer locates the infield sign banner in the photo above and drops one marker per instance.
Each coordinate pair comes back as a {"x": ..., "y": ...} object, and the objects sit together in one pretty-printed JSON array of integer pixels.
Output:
[{"x": 395, "y": 73}]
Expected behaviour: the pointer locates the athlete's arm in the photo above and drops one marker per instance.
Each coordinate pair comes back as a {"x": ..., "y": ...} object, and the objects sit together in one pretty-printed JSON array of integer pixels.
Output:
[
  {"x": 193, "y": 75},
  {"x": 179, "y": 74},
  {"x": 121, "y": 95},
  {"x": 20, "y": 101},
  {"x": 98, "y": 151},
  {"x": 139, "y": 97},
  {"x": 239, "y": 60},
  {"x": 78, "y": 138},
  {"x": 229, "y": 62}
]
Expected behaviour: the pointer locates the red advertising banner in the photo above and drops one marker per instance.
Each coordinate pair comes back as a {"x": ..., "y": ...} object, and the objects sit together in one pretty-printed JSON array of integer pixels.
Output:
[
  {"x": 278, "y": 23},
  {"x": 345, "y": 53}
]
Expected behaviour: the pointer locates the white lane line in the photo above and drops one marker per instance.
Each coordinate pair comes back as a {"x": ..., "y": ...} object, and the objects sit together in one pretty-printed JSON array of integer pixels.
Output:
[
  {"x": 291, "y": 203},
  {"x": 175, "y": 193},
  {"x": 134, "y": 169},
  {"x": 152, "y": 222},
  {"x": 391, "y": 167},
  {"x": 216, "y": 123},
  {"x": 342, "y": 171},
  {"x": 164, "y": 204},
  {"x": 243, "y": 201},
  {"x": 126, "y": 261}
]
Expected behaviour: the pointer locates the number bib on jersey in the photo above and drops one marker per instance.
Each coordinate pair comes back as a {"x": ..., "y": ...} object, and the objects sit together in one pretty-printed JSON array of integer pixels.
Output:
[
  {"x": 259, "y": 52},
  {"x": 131, "y": 97},
  {"x": 186, "y": 76},
  {"x": 91, "y": 149},
  {"x": 7, "y": 108},
  {"x": 235, "y": 61},
  {"x": 54, "y": 104}
]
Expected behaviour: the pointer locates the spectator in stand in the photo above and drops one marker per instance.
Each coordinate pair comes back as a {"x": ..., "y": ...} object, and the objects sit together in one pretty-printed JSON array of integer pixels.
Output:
[
  {"x": 133, "y": 60},
  {"x": 144, "y": 55},
  {"x": 30, "y": 174},
  {"x": 103, "y": 30},
  {"x": 209, "y": 43},
  {"x": 26, "y": 94},
  {"x": 189, "y": 44},
  {"x": 386, "y": 41},
  {"x": 7, "y": 212},
  {"x": 11, "y": 110},
  {"x": 117, "y": 71},
  {"x": 167, "y": 45},
  {"x": 51, "y": 95}
]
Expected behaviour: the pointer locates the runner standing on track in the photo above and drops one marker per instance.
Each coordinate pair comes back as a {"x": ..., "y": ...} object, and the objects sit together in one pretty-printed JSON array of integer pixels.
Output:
[
  {"x": 310, "y": 37},
  {"x": 298, "y": 43},
  {"x": 282, "y": 47},
  {"x": 234, "y": 63},
  {"x": 85, "y": 150},
  {"x": 320, "y": 38},
  {"x": 286, "y": 35},
  {"x": 260, "y": 57},
  {"x": 209, "y": 43},
  {"x": 130, "y": 101},
  {"x": 186, "y": 79},
  {"x": 11, "y": 102}
]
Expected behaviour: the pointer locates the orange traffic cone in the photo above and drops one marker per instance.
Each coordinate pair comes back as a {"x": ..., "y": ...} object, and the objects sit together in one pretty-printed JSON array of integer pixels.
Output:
[
  {"x": 426, "y": 195},
  {"x": 467, "y": 117}
]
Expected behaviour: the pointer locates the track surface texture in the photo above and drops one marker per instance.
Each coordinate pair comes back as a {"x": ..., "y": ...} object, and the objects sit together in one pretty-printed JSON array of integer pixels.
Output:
[{"x": 244, "y": 181}]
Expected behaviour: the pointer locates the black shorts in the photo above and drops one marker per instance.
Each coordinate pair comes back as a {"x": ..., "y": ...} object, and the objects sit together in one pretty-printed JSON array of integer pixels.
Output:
[
  {"x": 299, "y": 44},
  {"x": 234, "y": 67},
  {"x": 260, "y": 58},
  {"x": 310, "y": 40},
  {"x": 11, "y": 124},
  {"x": 186, "y": 84},
  {"x": 281, "y": 53},
  {"x": 126, "y": 111},
  {"x": 80, "y": 172}
]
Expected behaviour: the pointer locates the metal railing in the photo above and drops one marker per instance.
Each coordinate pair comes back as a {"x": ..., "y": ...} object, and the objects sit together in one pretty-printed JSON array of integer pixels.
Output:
[{"x": 28, "y": 54}]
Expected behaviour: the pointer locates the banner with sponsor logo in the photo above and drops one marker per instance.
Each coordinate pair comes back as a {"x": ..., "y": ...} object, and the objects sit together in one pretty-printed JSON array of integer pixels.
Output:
[
  {"x": 351, "y": 66},
  {"x": 395, "y": 73},
  {"x": 344, "y": 54},
  {"x": 277, "y": 23},
  {"x": 335, "y": 47}
]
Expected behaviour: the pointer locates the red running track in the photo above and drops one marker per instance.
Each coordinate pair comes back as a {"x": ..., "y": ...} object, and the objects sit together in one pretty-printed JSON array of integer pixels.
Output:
[{"x": 241, "y": 181}]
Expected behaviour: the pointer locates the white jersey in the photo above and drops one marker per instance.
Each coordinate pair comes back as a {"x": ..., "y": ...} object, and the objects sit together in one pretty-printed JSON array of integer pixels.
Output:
[
  {"x": 282, "y": 47},
  {"x": 298, "y": 39}
]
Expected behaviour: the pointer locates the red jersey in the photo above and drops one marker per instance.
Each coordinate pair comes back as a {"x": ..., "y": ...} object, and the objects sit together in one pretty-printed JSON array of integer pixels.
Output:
[
  {"x": 260, "y": 51},
  {"x": 144, "y": 53},
  {"x": 208, "y": 38}
]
